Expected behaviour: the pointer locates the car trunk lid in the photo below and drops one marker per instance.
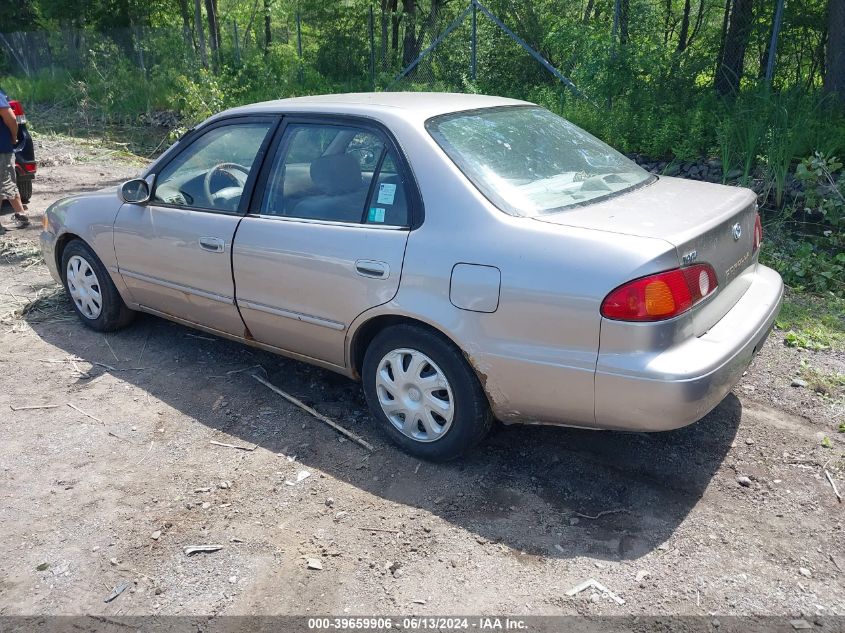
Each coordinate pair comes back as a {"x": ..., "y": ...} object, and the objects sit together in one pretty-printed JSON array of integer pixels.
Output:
[{"x": 706, "y": 223}]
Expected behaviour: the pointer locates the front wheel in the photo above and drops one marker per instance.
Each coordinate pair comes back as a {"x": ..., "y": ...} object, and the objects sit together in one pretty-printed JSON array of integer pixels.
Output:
[
  {"x": 424, "y": 394},
  {"x": 94, "y": 295}
]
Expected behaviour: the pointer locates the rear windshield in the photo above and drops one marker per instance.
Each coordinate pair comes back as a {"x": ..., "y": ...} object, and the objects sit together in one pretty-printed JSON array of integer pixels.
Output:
[{"x": 528, "y": 161}]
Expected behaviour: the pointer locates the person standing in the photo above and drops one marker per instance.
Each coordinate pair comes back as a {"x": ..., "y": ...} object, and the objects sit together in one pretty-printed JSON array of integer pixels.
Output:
[{"x": 8, "y": 177}]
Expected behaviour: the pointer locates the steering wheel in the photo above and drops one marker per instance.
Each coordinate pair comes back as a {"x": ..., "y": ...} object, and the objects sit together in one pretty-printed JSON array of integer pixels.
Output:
[{"x": 238, "y": 173}]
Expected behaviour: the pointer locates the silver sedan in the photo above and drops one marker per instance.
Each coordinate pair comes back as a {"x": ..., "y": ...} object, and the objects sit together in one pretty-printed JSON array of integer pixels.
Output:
[{"x": 468, "y": 258}]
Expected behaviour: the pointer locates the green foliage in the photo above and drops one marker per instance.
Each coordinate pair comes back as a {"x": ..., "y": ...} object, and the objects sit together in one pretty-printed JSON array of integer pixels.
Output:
[
  {"x": 807, "y": 261},
  {"x": 814, "y": 323},
  {"x": 643, "y": 89},
  {"x": 824, "y": 196},
  {"x": 646, "y": 93},
  {"x": 810, "y": 253}
]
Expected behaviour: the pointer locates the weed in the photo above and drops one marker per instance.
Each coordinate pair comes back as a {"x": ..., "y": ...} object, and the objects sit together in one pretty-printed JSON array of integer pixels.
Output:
[
  {"x": 823, "y": 383},
  {"x": 814, "y": 323}
]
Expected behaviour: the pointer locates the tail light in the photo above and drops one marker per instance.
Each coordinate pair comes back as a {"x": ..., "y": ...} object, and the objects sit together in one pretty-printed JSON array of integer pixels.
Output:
[
  {"x": 758, "y": 232},
  {"x": 17, "y": 108},
  {"x": 661, "y": 296}
]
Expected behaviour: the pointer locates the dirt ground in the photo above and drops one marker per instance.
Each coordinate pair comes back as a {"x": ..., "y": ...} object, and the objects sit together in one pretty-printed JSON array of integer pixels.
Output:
[{"x": 732, "y": 515}]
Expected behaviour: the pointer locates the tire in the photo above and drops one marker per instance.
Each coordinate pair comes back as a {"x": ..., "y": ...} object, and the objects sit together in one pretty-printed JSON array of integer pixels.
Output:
[
  {"x": 96, "y": 301},
  {"x": 415, "y": 372},
  {"x": 25, "y": 189}
]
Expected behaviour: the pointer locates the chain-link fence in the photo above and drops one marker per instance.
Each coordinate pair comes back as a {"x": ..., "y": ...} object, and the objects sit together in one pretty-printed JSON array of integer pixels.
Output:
[
  {"x": 472, "y": 43},
  {"x": 597, "y": 52}
]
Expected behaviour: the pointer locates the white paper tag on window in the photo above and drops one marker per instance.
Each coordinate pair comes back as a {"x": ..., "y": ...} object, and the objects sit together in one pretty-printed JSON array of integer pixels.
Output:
[
  {"x": 376, "y": 214},
  {"x": 386, "y": 193}
]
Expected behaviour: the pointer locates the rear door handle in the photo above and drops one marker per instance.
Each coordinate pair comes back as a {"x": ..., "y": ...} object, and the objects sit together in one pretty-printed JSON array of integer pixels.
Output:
[
  {"x": 213, "y": 244},
  {"x": 372, "y": 268}
]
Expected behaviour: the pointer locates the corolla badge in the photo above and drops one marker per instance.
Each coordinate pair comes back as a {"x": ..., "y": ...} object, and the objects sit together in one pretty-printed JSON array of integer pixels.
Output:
[{"x": 737, "y": 231}]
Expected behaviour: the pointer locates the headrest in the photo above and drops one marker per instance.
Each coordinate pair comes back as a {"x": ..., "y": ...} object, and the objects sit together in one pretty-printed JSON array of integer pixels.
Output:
[{"x": 336, "y": 174}]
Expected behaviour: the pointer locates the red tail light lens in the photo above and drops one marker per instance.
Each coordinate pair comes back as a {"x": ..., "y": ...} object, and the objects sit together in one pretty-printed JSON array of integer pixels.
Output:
[
  {"x": 758, "y": 232},
  {"x": 661, "y": 296},
  {"x": 17, "y": 108}
]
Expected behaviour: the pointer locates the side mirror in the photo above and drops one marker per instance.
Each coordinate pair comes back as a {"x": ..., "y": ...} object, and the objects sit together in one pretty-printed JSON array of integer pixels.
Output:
[{"x": 136, "y": 191}]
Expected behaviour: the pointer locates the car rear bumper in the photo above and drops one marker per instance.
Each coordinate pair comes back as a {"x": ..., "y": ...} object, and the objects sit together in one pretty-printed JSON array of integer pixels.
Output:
[
  {"x": 679, "y": 385},
  {"x": 25, "y": 162}
]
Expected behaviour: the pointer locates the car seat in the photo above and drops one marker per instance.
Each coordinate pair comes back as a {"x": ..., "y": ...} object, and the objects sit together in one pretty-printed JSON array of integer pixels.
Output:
[{"x": 342, "y": 191}]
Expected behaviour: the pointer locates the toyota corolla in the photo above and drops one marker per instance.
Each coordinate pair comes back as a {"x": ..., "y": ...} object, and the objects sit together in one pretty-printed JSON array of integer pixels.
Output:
[{"x": 468, "y": 258}]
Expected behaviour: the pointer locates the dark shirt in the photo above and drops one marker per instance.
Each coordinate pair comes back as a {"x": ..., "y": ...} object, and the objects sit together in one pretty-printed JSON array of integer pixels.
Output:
[{"x": 6, "y": 145}]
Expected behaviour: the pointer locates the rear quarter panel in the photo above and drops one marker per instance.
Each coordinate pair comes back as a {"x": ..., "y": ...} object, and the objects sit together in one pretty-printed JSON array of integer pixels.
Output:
[{"x": 536, "y": 354}]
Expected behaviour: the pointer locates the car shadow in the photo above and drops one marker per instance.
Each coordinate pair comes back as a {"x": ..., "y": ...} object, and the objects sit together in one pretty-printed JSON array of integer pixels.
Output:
[{"x": 542, "y": 491}]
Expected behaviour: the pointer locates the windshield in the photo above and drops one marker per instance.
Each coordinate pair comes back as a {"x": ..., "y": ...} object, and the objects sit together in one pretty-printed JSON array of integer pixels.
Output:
[{"x": 528, "y": 161}]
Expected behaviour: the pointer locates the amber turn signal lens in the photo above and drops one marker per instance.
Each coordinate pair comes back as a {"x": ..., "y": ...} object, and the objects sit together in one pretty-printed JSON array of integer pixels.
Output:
[{"x": 658, "y": 299}]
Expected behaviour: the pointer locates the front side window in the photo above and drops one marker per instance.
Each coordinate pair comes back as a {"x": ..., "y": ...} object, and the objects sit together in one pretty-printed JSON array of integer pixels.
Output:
[
  {"x": 529, "y": 161},
  {"x": 212, "y": 172},
  {"x": 336, "y": 174}
]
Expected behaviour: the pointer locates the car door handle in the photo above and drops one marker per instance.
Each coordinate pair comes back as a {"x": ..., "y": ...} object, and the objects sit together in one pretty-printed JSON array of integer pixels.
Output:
[
  {"x": 371, "y": 268},
  {"x": 213, "y": 244}
]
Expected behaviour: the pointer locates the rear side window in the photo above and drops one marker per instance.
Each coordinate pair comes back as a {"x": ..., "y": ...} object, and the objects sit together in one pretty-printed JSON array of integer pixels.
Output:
[
  {"x": 388, "y": 202},
  {"x": 337, "y": 174}
]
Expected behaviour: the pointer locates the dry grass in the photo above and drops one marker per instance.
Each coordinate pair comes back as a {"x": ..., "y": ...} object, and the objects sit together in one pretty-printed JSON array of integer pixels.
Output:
[
  {"x": 49, "y": 304},
  {"x": 18, "y": 309},
  {"x": 20, "y": 252}
]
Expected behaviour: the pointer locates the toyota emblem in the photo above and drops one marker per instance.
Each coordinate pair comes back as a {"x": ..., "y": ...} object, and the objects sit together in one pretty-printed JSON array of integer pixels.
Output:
[{"x": 737, "y": 231}]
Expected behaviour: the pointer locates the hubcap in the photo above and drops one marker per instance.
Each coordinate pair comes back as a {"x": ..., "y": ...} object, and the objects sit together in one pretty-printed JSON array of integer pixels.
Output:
[
  {"x": 415, "y": 395},
  {"x": 84, "y": 287}
]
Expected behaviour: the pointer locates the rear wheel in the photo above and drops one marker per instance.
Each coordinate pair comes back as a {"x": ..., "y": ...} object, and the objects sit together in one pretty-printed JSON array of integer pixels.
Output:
[
  {"x": 424, "y": 394},
  {"x": 25, "y": 189},
  {"x": 94, "y": 295}
]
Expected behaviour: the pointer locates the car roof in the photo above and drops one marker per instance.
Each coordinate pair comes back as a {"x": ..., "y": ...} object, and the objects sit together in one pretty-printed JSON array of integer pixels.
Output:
[{"x": 409, "y": 105}]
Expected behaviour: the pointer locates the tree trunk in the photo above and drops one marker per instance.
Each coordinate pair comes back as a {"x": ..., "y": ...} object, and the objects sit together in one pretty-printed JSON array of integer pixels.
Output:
[
  {"x": 200, "y": 32},
  {"x": 430, "y": 24},
  {"x": 834, "y": 77},
  {"x": 699, "y": 20},
  {"x": 409, "y": 42},
  {"x": 817, "y": 67},
  {"x": 248, "y": 29},
  {"x": 723, "y": 33},
  {"x": 731, "y": 63},
  {"x": 383, "y": 19},
  {"x": 587, "y": 11},
  {"x": 268, "y": 30},
  {"x": 213, "y": 30},
  {"x": 394, "y": 26},
  {"x": 624, "y": 12},
  {"x": 683, "y": 36},
  {"x": 217, "y": 25},
  {"x": 185, "y": 12}
]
